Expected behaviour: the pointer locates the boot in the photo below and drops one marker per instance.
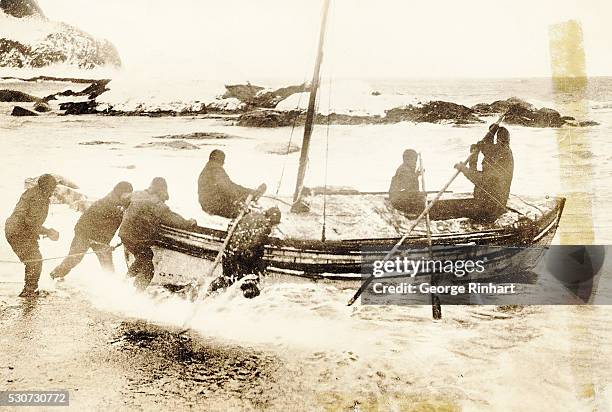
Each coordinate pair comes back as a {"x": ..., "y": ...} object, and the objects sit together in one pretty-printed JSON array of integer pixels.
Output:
[{"x": 29, "y": 291}]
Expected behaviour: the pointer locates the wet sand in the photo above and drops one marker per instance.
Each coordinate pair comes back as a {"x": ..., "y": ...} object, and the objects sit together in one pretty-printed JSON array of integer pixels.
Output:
[{"x": 58, "y": 341}]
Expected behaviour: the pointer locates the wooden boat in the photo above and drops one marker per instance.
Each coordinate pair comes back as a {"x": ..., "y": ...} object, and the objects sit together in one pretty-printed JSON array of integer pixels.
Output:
[
  {"x": 330, "y": 238},
  {"x": 367, "y": 226}
]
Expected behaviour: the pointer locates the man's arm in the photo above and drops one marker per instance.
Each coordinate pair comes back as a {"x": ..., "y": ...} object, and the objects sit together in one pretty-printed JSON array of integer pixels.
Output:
[
  {"x": 225, "y": 184},
  {"x": 173, "y": 219}
]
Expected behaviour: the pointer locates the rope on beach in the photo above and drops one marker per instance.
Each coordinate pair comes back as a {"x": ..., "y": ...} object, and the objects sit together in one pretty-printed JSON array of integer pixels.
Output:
[{"x": 112, "y": 248}]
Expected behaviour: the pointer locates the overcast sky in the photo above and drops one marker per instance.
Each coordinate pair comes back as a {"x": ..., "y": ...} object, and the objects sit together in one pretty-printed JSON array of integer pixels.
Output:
[{"x": 367, "y": 38}]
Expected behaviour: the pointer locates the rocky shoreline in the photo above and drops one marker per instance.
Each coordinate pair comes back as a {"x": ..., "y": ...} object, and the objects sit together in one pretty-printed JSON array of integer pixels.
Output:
[{"x": 254, "y": 106}]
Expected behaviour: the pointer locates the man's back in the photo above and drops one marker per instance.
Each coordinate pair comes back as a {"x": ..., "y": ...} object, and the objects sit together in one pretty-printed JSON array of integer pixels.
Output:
[
  {"x": 101, "y": 220},
  {"x": 216, "y": 191}
]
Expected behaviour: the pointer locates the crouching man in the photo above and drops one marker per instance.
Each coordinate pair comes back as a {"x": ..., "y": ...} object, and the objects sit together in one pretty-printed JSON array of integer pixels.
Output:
[
  {"x": 25, "y": 226},
  {"x": 95, "y": 229},
  {"x": 245, "y": 252},
  {"x": 140, "y": 227}
]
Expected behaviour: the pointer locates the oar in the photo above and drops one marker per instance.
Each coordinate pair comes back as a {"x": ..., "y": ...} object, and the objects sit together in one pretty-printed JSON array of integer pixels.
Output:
[
  {"x": 221, "y": 252},
  {"x": 424, "y": 213},
  {"x": 436, "y": 307}
]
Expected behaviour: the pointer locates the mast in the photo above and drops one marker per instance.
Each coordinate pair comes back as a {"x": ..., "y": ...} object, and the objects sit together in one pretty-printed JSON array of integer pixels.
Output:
[{"x": 310, "y": 114}]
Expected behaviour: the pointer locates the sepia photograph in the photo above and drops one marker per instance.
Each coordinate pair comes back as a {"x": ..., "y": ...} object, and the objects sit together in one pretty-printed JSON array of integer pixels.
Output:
[{"x": 305, "y": 205}]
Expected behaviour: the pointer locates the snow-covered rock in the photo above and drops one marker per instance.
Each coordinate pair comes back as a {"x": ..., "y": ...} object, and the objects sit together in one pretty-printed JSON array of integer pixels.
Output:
[{"x": 29, "y": 40}]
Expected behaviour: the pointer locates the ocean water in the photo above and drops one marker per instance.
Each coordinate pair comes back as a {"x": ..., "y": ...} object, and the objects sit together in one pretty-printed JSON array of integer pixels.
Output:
[{"x": 476, "y": 358}]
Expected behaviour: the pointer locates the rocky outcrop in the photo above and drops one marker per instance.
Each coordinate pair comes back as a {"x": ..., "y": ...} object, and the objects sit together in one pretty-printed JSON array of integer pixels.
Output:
[
  {"x": 20, "y": 112},
  {"x": 268, "y": 118},
  {"x": 55, "y": 42},
  {"x": 42, "y": 107},
  {"x": 16, "y": 96},
  {"x": 433, "y": 112},
  {"x": 520, "y": 112},
  {"x": 257, "y": 96},
  {"x": 88, "y": 107},
  {"x": 243, "y": 92},
  {"x": 21, "y": 8},
  {"x": 269, "y": 99}
]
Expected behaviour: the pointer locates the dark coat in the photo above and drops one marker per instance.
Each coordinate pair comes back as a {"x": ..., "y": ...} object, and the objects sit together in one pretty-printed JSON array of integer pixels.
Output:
[
  {"x": 492, "y": 184},
  {"x": 144, "y": 216},
  {"x": 246, "y": 248},
  {"x": 29, "y": 214},
  {"x": 101, "y": 220},
  {"x": 217, "y": 193},
  {"x": 405, "y": 181}
]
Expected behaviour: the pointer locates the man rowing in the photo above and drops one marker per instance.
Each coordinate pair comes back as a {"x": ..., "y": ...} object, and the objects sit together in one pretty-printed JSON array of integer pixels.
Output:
[
  {"x": 492, "y": 183},
  {"x": 404, "y": 193}
]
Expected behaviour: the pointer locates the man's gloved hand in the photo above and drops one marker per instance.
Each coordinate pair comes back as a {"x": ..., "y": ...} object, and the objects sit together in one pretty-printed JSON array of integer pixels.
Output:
[{"x": 261, "y": 189}]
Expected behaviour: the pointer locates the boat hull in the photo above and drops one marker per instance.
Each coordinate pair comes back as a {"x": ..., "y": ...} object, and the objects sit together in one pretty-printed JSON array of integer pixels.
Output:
[{"x": 181, "y": 257}]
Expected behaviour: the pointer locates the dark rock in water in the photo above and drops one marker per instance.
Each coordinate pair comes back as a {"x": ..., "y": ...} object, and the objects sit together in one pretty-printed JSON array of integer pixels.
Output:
[
  {"x": 375, "y": 93},
  {"x": 20, "y": 111},
  {"x": 270, "y": 99},
  {"x": 42, "y": 107},
  {"x": 279, "y": 148},
  {"x": 88, "y": 107},
  {"x": 197, "y": 136},
  {"x": 242, "y": 92},
  {"x": 16, "y": 96},
  {"x": 94, "y": 90},
  {"x": 268, "y": 118},
  {"x": 97, "y": 142},
  {"x": 588, "y": 123},
  {"x": 502, "y": 106},
  {"x": 432, "y": 112},
  {"x": 343, "y": 119},
  {"x": 21, "y": 8},
  {"x": 173, "y": 144},
  {"x": 522, "y": 113}
]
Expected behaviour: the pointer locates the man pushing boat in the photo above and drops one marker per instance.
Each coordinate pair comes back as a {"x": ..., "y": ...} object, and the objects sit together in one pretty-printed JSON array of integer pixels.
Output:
[
  {"x": 141, "y": 224},
  {"x": 25, "y": 226},
  {"x": 217, "y": 194},
  {"x": 95, "y": 229},
  {"x": 245, "y": 250}
]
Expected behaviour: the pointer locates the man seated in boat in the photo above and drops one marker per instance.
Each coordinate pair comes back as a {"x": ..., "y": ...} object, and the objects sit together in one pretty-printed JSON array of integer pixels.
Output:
[
  {"x": 95, "y": 229},
  {"x": 217, "y": 193},
  {"x": 404, "y": 193},
  {"x": 492, "y": 184},
  {"x": 141, "y": 224},
  {"x": 245, "y": 252}
]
